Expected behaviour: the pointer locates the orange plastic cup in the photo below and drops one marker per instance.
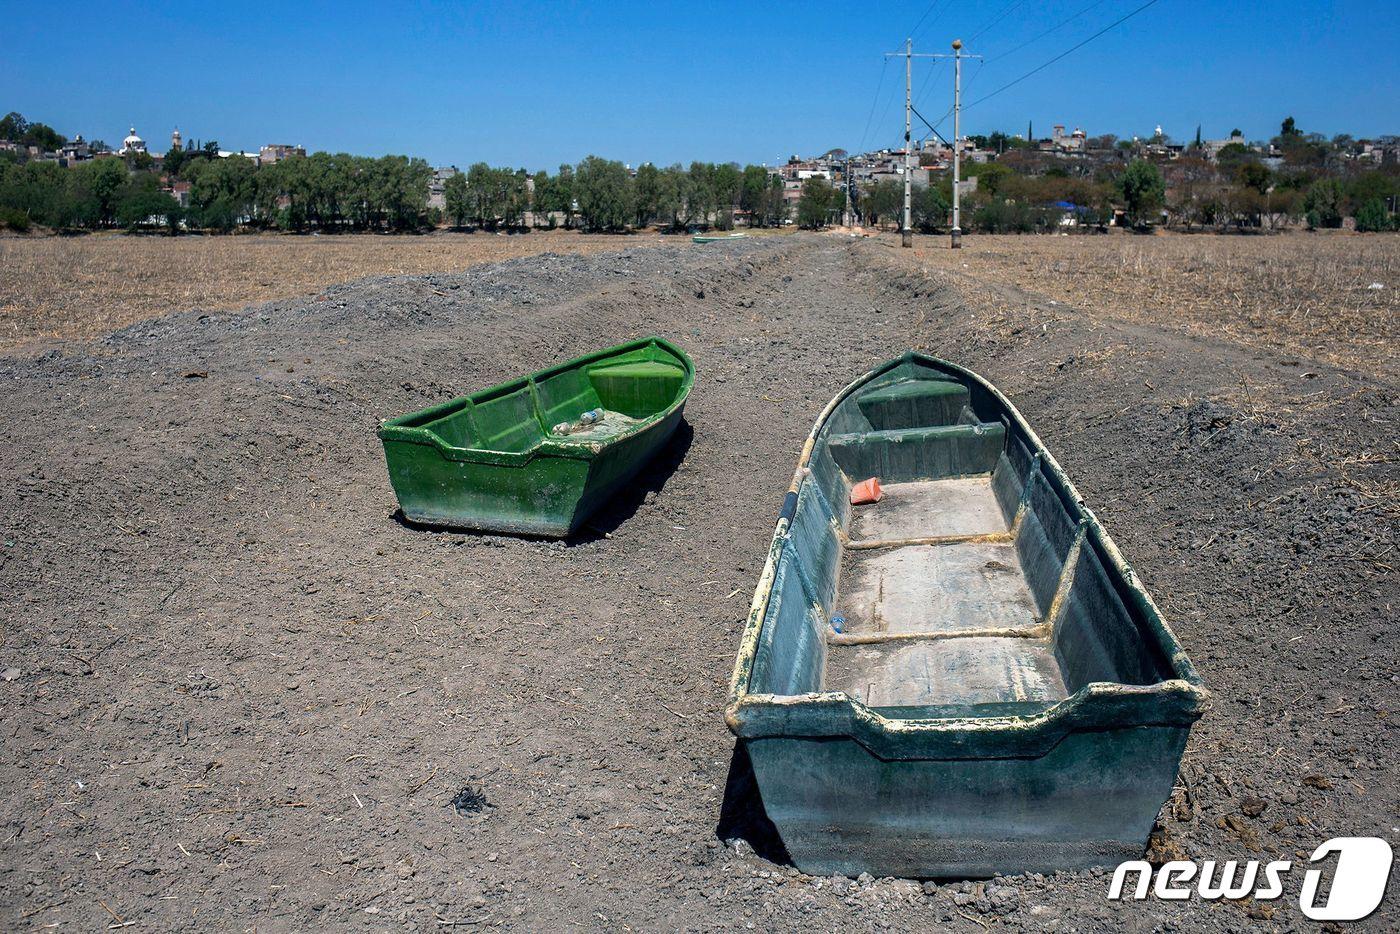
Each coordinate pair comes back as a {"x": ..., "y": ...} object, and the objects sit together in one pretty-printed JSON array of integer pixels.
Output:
[{"x": 866, "y": 491}]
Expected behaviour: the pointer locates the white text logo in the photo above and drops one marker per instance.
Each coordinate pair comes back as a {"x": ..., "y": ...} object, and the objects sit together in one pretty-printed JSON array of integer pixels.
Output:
[{"x": 1358, "y": 882}]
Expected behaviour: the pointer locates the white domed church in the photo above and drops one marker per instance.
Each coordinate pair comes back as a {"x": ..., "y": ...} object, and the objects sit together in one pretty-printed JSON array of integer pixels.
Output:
[{"x": 132, "y": 144}]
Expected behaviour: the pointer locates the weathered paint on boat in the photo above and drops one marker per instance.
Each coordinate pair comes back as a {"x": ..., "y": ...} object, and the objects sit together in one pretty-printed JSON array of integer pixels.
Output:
[
  {"x": 702, "y": 238},
  {"x": 1003, "y": 695},
  {"x": 493, "y": 461}
]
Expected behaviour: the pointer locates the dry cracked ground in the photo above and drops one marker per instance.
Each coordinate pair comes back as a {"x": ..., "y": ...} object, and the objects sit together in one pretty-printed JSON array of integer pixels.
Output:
[{"x": 239, "y": 695}]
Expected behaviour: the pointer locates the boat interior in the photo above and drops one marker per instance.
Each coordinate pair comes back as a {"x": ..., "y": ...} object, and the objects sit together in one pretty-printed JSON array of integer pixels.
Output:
[
  {"x": 976, "y": 586},
  {"x": 628, "y": 387}
]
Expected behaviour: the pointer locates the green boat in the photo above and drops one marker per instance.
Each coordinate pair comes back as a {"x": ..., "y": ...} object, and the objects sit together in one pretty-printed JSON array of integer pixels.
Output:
[
  {"x": 705, "y": 238},
  {"x": 538, "y": 455},
  {"x": 962, "y": 677}
]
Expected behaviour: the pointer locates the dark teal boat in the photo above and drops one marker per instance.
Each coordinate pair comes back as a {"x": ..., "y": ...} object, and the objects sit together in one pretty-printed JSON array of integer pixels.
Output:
[{"x": 964, "y": 677}]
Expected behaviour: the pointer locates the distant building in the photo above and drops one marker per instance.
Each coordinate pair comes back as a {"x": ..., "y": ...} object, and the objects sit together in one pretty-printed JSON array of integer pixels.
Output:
[
  {"x": 132, "y": 144},
  {"x": 74, "y": 151},
  {"x": 180, "y": 191},
  {"x": 276, "y": 152},
  {"x": 437, "y": 186},
  {"x": 1213, "y": 146},
  {"x": 176, "y": 144},
  {"x": 1060, "y": 141}
]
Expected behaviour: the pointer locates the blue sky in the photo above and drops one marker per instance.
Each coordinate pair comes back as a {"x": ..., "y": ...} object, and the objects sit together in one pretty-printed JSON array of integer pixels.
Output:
[{"x": 537, "y": 84}]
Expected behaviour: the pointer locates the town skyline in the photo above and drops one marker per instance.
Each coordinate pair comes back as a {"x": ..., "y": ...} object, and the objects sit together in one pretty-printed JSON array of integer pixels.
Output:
[
  {"x": 514, "y": 86},
  {"x": 1060, "y": 137}
]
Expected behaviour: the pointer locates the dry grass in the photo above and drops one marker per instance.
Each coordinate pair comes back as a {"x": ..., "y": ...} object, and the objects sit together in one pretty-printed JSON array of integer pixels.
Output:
[
  {"x": 61, "y": 287},
  {"x": 1306, "y": 294}
]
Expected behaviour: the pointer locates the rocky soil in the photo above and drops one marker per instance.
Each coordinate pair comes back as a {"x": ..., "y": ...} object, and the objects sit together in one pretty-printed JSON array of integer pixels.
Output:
[{"x": 238, "y": 693}]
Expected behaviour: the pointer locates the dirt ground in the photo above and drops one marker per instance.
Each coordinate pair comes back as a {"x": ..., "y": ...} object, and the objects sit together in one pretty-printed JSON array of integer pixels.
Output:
[
  {"x": 239, "y": 695},
  {"x": 88, "y": 286}
]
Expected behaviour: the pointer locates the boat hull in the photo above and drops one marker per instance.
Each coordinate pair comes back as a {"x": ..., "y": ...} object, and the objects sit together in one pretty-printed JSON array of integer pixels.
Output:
[
  {"x": 550, "y": 484},
  {"x": 1090, "y": 801},
  {"x": 964, "y": 678}
]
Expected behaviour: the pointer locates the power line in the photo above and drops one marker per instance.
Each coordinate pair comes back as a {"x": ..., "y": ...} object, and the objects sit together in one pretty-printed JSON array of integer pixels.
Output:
[
  {"x": 996, "y": 19},
  {"x": 1071, "y": 49},
  {"x": 928, "y": 79},
  {"x": 929, "y": 9},
  {"x": 884, "y": 66},
  {"x": 1056, "y": 28}
]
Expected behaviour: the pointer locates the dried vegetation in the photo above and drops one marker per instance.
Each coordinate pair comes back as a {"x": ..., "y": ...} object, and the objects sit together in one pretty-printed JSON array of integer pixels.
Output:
[
  {"x": 1313, "y": 295},
  {"x": 65, "y": 287}
]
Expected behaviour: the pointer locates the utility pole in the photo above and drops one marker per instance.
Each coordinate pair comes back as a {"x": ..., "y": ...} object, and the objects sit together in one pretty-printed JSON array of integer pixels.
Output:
[
  {"x": 957, "y": 58},
  {"x": 907, "y": 231},
  {"x": 850, "y": 216},
  {"x": 957, "y": 115}
]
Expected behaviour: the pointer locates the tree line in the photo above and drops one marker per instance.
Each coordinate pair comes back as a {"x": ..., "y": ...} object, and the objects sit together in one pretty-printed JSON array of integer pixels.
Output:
[
  {"x": 341, "y": 192},
  {"x": 602, "y": 194},
  {"x": 323, "y": 191},
  {"x": 335, "y": 192},
  {"x": 1020, "y": 190}
]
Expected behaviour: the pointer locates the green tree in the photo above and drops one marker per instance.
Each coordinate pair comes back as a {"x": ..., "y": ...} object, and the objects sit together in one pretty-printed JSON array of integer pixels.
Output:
[
  {"x": 1373, "y": 217},
  {"x": 882, "y": 202},
  {"x": 172, "y": 162},
  {"x": 1254, "y": 175},
  {"x": 648, "y": 194},
  {"x": 556, "y": 195},
  {"x": 1324, "y": 203},
  {"x": 930, "y": 208},
  {"x": 815, "y": 203},
  {"x": 1144, "y": 190},
  {"x": 103, "y": 178},
  {"x": 603, "y": 190},
  {"x": 141, "y": 203},
  {"x": 458, "y": 199},
  {"x": 13, "y": 126},
  {"x": 673, "y": 197},
  {"x": 778, "y": 208},
  {"x": 486, "y": 196},
  {"x": 725, "y": 181},
  {"x": 222, "y": 192},
  {"x": 1373, "y": 185},
  {"x": 404, "y": 191},
  {"x": 989, "y": 175},
  {"x": 753, "y": 194},
  {"x": 702, "y": 196},
  {"x": 35, "y": 192}
]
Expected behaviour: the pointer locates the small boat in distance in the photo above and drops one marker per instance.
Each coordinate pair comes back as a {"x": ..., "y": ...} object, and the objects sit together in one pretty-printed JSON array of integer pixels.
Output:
[
  {"x": 539, "y": 454},
  {"x": 709, "y": 238},
  {"x": 960, "y": 676}
]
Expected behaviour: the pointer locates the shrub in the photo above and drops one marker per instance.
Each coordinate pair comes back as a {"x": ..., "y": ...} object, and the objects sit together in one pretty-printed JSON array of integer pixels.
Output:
[
  {"x": 1373, "y": 217},
  {"x": 14, "y": 219},
  {"x": 1323, "y": 203}
]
